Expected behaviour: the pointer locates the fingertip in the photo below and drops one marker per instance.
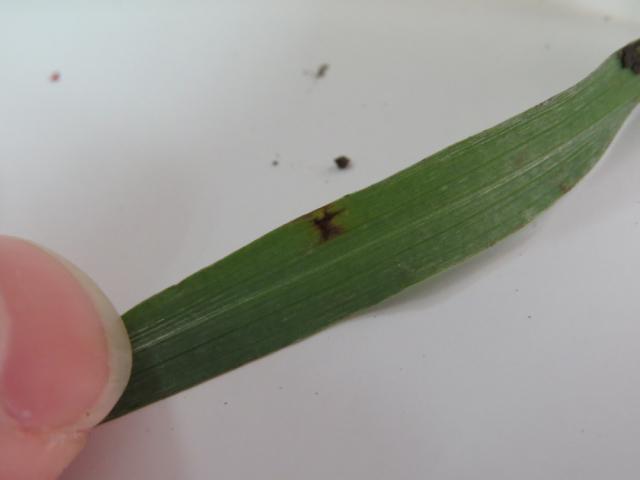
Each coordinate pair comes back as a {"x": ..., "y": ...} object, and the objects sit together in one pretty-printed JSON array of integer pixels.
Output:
[
  {"x": 65, "y": 359},
  {"x": 66, "y": 355}
]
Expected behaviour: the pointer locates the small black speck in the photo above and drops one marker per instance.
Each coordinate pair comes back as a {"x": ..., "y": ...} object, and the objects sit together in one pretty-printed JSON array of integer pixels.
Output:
[
  {"x": 275, "y": 163},
  {"x": 315, "y": 393},
  {"x": 226, "y": 403},
  {"x": 322, "y": 70},
  {"x": 528, "y": 316},
  {"x": 342, "y": 162},
  {"x": 517, "y": 290}
]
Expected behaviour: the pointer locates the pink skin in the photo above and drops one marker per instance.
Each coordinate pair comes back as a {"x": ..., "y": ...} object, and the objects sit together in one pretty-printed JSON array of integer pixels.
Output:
[{"x": 64, "y": 361}]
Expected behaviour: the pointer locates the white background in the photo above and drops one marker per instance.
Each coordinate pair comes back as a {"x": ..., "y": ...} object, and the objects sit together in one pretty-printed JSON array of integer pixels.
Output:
[{"x": 151, "y": 157}]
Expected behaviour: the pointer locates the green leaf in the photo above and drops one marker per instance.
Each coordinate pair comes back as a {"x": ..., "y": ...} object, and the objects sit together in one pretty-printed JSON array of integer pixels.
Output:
[{"x": 367, "y": 246}]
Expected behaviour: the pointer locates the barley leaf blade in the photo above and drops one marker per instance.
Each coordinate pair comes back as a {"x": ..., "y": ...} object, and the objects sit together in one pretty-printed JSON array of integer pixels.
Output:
[{"x": 367, "y": 246}]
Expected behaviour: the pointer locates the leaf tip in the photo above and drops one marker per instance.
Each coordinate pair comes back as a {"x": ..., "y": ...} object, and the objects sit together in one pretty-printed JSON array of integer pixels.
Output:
[{"x": 630, "y": 57}]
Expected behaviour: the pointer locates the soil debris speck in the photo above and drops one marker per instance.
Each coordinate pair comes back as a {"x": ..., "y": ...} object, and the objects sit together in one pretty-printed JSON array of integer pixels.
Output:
[
  {"x": 343, "y": 162},
  {"x": 54, "y": 77},
  {"x": 322, "y": 70}
]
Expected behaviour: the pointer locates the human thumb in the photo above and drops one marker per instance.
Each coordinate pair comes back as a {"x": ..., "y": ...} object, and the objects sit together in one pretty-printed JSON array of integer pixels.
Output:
[{"x": 65, "y": 359}]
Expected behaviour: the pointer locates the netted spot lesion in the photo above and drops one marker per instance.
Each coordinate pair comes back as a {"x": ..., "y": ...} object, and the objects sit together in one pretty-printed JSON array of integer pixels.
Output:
[{"x": 324, "y": 222}]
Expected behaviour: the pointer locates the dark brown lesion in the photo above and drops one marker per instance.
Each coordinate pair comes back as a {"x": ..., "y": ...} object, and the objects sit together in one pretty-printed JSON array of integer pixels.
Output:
[
  {"x": 324, "y": 223},
  {"x": 630, "y": 57}
]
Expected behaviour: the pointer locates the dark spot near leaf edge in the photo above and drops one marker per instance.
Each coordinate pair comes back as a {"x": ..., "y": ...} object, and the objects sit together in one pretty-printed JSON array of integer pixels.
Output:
[
  {"x": 565, "y": 187},
  {"x": 326, "y": 225}
]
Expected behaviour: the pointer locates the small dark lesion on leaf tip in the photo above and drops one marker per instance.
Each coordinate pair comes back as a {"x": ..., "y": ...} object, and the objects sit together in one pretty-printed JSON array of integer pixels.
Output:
[{"x": 630, "y": 57}]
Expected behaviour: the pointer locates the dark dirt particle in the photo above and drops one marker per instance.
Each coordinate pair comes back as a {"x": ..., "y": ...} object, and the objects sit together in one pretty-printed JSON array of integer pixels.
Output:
[
  {"x": 54, "y": 77},
  {"x": 630, "y": 57},
  {"x": 343, "y": 162},
  {"x": 325, "y": 224},
  {"x": 275, "y": 163},
  {"x": 322, "y": 70}
]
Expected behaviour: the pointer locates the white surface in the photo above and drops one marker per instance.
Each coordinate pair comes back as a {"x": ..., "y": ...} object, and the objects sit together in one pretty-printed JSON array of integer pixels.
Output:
[
  {"x": 151, "y": 157},
  {"x": 620, "y": 9}
]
